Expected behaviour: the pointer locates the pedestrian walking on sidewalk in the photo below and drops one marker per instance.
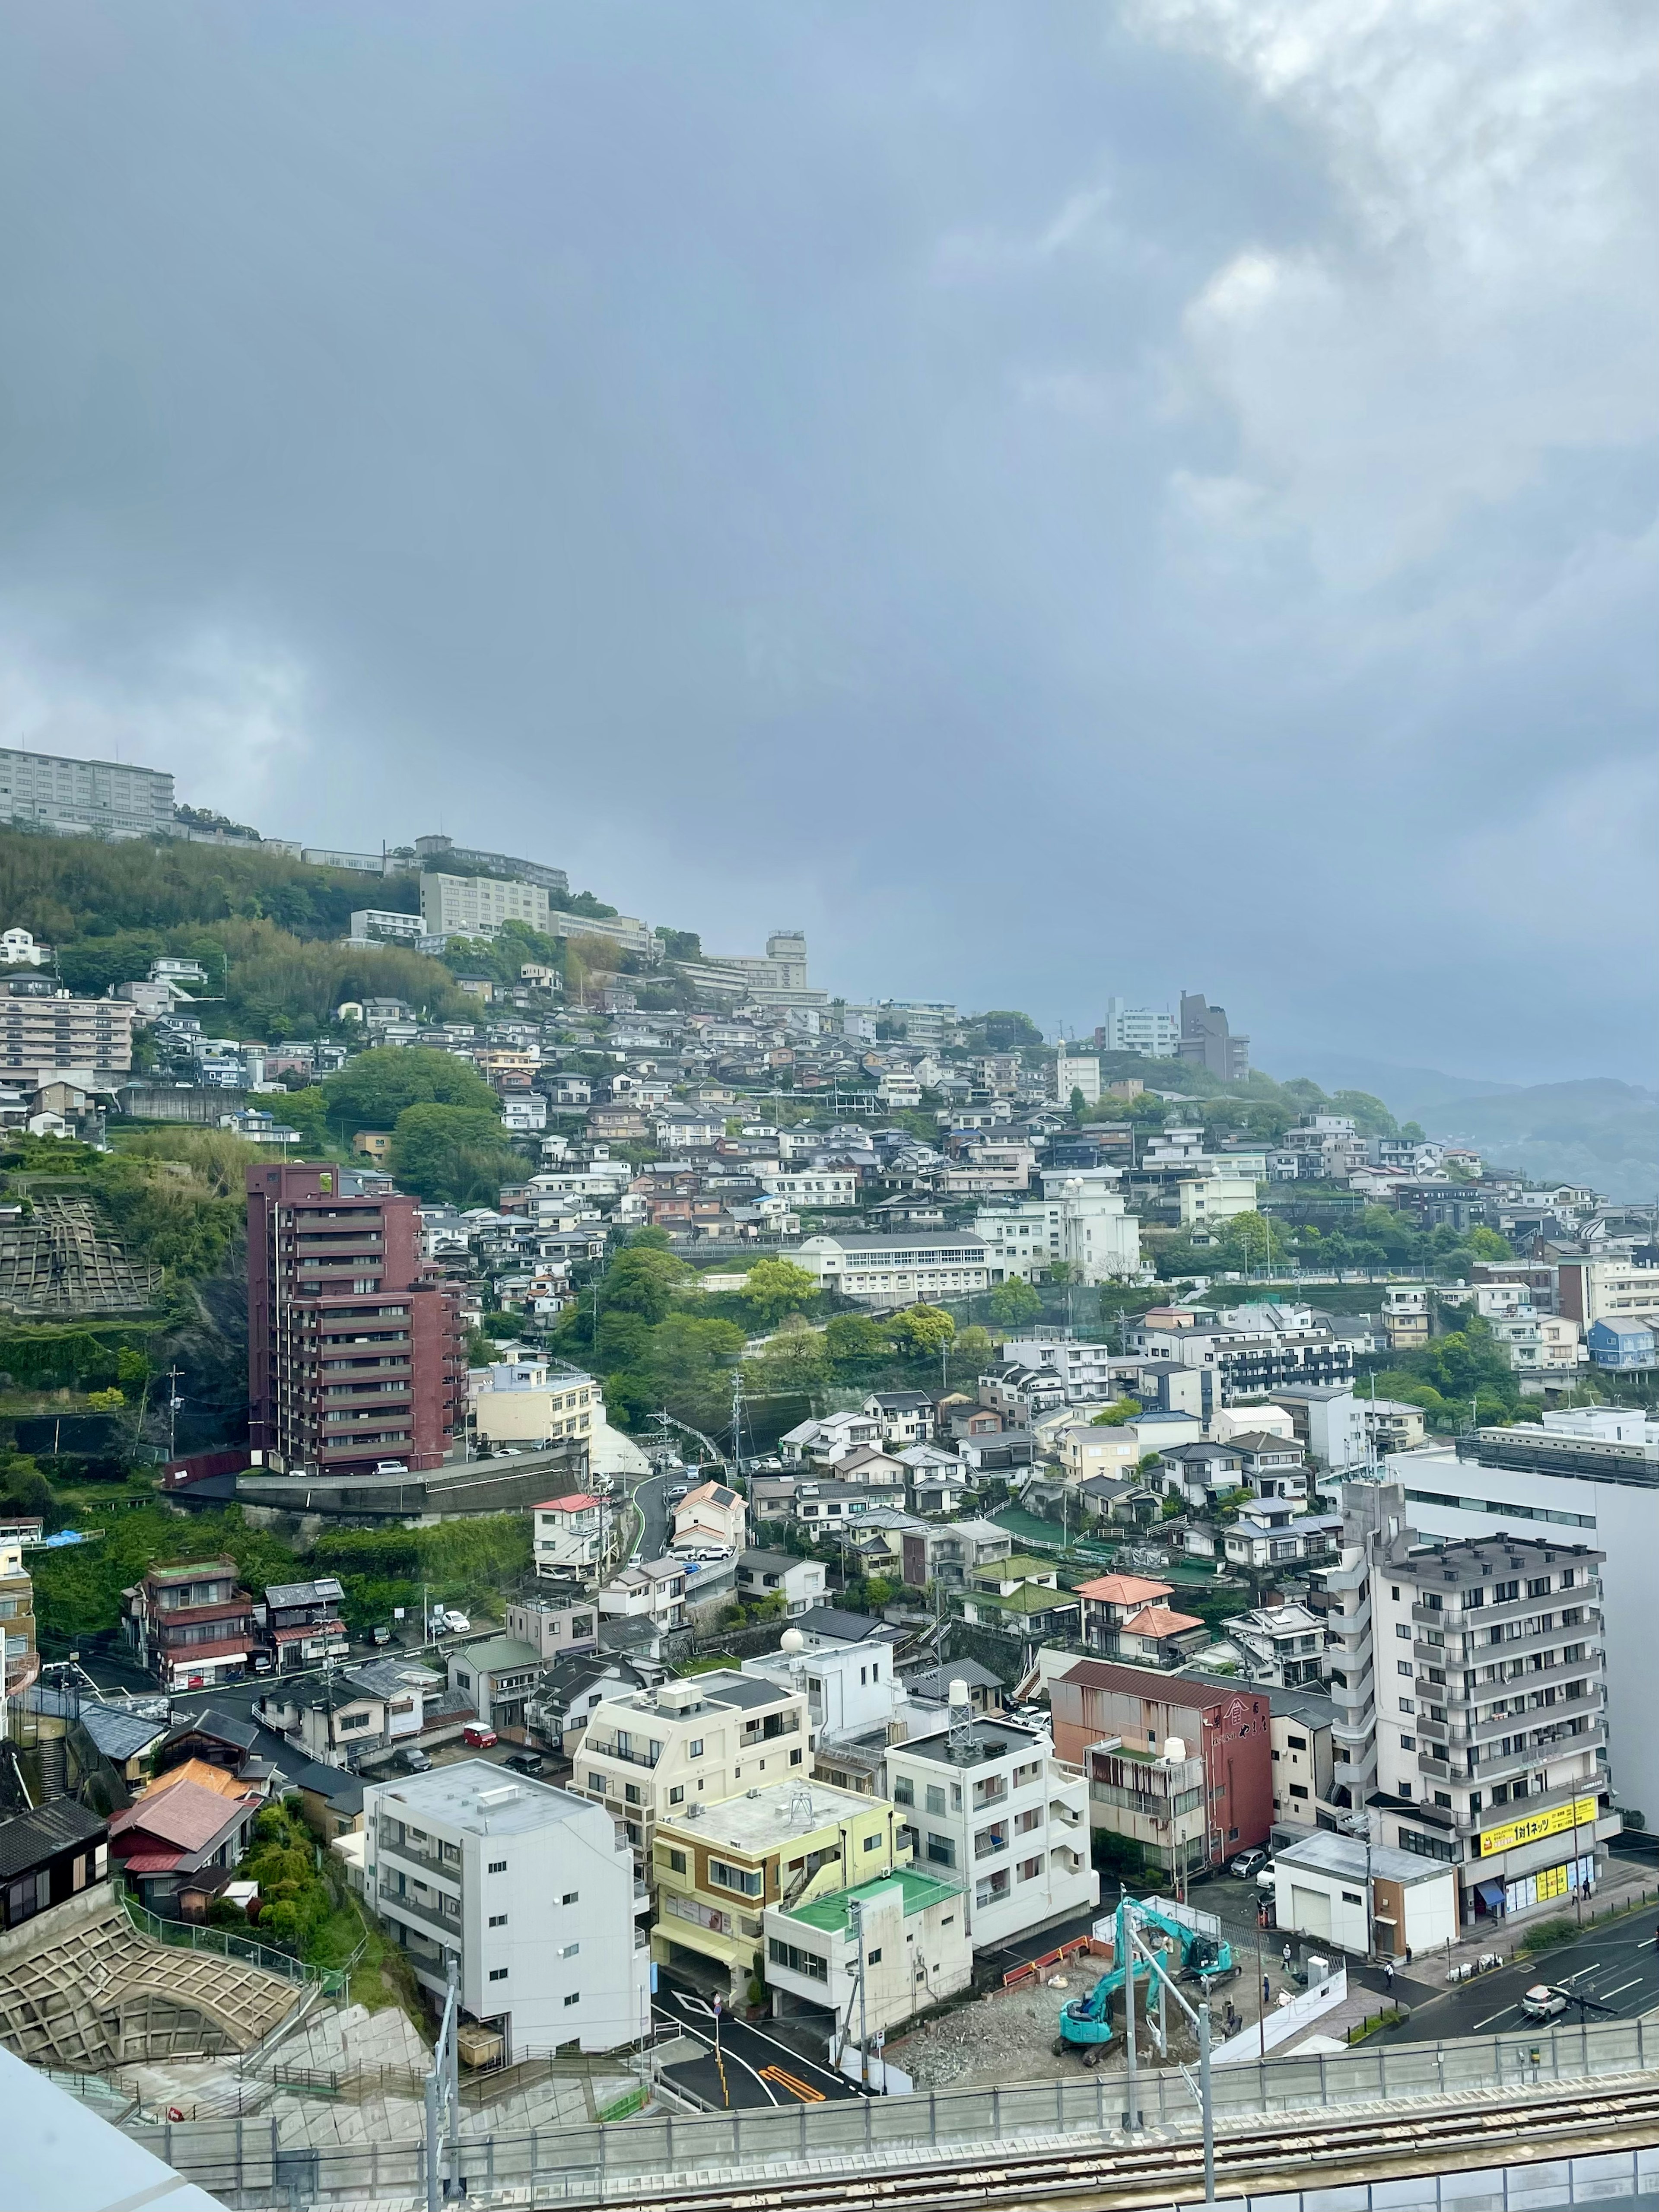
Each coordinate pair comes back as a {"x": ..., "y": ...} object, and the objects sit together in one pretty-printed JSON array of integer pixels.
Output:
[{"x": 1388, "y": 1974}]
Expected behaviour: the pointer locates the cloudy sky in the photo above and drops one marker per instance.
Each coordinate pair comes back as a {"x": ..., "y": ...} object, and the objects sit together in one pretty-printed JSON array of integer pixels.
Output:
[{"x": 1054, "y": 500}]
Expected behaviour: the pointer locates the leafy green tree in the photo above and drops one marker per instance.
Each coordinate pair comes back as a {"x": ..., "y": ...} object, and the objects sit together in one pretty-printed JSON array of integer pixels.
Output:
[
  {"x": 372, "y": 1091},
  {"x": 1075, "y": 1105},
  {"x": 1114, "y": 1415},
  {"x": 855, "y": 1340},
  {"x": 973, "y": 1347},
  {"x": 457, "y": 1155},
  {"x": 924, "y": 1331},
  {"x": 1488, "y": 1244},
  {"x": 308, "y": 1112},
  {"x": 1014, "y": 1304},
  {"x": 795, "y": 1361},
  {"x": 1368, "y": 1114},
  {"x": 644, "y": 1279},
  {"x": 776, "y": 1287}
]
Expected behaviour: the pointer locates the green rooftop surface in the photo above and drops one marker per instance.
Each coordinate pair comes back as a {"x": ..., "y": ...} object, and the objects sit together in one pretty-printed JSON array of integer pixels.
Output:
[{"x": 920, "y": 1890}]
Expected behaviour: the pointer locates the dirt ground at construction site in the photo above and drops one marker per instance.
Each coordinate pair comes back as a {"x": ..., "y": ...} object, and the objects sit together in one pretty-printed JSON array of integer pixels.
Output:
[{"x": 1010, "y": 2037}]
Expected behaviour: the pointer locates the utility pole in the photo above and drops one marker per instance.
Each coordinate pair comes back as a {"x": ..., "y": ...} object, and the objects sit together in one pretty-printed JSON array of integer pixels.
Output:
[
  {"x": 173, "y": 1403},
  {"x": 855, "y": 1915}
]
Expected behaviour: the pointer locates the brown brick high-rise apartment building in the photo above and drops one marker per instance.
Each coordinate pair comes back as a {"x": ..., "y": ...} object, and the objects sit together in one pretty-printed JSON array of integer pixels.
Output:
[{"x": 355, "y": 1351}]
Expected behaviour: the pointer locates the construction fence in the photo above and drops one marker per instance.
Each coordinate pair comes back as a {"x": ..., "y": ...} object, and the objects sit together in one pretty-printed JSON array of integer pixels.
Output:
[{"x": 243, "y": 2163}]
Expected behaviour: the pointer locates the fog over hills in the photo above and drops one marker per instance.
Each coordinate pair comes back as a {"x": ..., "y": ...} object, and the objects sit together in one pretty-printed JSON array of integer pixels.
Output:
[{"x": 1597, "y": 1130}]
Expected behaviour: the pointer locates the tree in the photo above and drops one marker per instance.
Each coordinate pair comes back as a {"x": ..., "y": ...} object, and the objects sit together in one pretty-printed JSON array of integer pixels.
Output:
[
  {"x": 1488, "y": 1244},
  {"x": 795, "y": 1361},
  {"x": 305, "y": 1111},
  {"x": 1115, "y": 1414},
  {"x": 924, "y": 1330},
  {"x": 372, "y": 1091},
  {"x": 776, "y": 1287},
  {"x": 854, "y": 1339},
  {"x": 455, "y": 1155},
  {"x": 973, "y": 1347},
  {"x": 643, "y": 1279},
  {"x": 1006, "y": 1031},
  {"x": 1014, "y": 1303}
]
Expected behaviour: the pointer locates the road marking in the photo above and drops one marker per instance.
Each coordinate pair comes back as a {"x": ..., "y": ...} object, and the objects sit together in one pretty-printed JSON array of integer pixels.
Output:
[
  {"x": 803, "y": 2090},
  {"x": 1479, "y": 2023},
  {"x": 1608, "y": 1995}
]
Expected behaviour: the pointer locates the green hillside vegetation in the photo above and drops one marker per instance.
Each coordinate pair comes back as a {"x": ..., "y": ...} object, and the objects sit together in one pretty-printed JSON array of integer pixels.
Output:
[{"x": 463, "y": 1563}]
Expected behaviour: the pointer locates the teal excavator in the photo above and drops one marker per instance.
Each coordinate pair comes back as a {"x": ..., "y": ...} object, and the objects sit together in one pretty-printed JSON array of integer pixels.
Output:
[{"x": 1085, "y": 2022}]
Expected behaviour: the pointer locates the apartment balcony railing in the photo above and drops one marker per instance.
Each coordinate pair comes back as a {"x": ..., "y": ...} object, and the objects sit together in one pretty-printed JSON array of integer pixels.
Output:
[
  {"x": 425, "y": 1855},
  {"x": 437, "y": 1910},
  {"x": 591, "y": 1749}
]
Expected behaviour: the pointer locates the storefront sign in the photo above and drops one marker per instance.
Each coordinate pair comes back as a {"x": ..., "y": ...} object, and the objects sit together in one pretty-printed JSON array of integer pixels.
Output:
[{"x": 1581, "y": 1813}]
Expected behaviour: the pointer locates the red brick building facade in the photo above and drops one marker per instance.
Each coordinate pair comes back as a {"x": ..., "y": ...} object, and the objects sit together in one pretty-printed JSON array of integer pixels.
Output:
[{"x": 356, "y": 1350}]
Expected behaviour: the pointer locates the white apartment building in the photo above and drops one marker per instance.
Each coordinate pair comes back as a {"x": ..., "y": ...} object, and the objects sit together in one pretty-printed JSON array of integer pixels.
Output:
[
  {"x": 689, "y": 1742},
  {"x": 1140, "y": 1029},
  {"x": 1084, "y": 1369},
  {"x": 1076, "y": 1072},
  {"x": 1206, "y": 1200},
  {"x": 819, "y": 1187},
  {"x": 1467, "y": 1674},
  {"x": 56, "y": 793},
  {"x": 1078, "y": 1219},
  {"x": 897, "y": 1271},
  {"x": 530, "y": 1887},
  {"x": 1590, "y": 1477},
  {"x": 987, "y": 1802},
  {"x": 18, "y": 949},
  {"x": 477, "y": 906},
  {"x": 1588, "y": 1290},
  {"x": 899, "y": 1944},
  {"x": 373, "y": 922}
]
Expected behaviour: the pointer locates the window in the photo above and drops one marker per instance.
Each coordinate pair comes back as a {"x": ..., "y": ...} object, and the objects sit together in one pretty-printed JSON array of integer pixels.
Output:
[
  {"x": 1405, "y": 1790},
  {"x": 694, "y": 1749},
  {"x": 1352, "y": 1897},
  {"x": 745, "y": 1880},
  {"x": 904, "y": 1790},
  {"x": 872, "y": 1958},
  {"x": 935, "y": 1798},
  {"x": 631, "y": 1793},
  {"x": 798, "y": 1962},
  {"x": 1408, "y": 1743},
  {"x": 498, "y": 1973},
  {"x": 498, "y": 1866},
  {"x": 1404, "y": 1667},
  {"x": 1030, "y": 1870},
  {"x": 498, "y": 1920},
  {"x": 674, "y": 1861},
  {"x": 1297, "y": 1790},
  {"x": 574, "y": 1998},
  {"x": 794, "y": 1758},
  {"x": 941, "y": 1851},
  {"x": 1402, "y": 1629},
  {"x": 569, "y": 1897},
  {"x": 1407, "y": 1705},
  {"x": 568, "y": 1950}
]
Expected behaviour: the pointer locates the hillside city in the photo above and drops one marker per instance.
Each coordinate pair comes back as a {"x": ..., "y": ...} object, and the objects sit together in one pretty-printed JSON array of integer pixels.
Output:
[{"x": 594, "y": 1500}]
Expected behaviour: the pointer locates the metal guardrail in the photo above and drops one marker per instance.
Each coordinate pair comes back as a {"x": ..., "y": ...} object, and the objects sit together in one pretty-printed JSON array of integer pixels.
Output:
[
  {"x": 243, "y": 2162},
  {"x": 223, "y": 1942}
]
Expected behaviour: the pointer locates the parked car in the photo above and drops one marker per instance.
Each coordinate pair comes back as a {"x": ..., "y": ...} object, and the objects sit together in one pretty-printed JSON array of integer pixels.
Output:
[
  {"x": 1541, "y": 2002},
  {"x": 390, "y": 1467},
  {"x": 380, "y": 1637},
  {"x": 415, "y": 1762},
  {"x": 456, "y": 1624},
  {"x": 525, "y": 1762},
  {"x": 1266, "y": 1879},
  {"x": 1247, "y": 1864},
  {"x": 479, "y": 1738}
]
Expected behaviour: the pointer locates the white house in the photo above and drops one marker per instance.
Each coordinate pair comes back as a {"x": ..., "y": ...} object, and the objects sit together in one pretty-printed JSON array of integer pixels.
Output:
[
  {"x": 1080, "y": 1219},
  {"x": 711, "y": 1517},
  {"x": 568, "y": 1533},
  {"x": 533, "y": 1402},
  {"x": 799, "y": 1583},
  {"x": 528, "y": 1887},
  {"x": 1320, "y": 1890},
  {"x": 987, "y": 1800}
]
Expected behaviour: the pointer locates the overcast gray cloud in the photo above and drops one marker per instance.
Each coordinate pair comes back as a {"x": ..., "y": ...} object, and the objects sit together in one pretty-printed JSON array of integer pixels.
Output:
[{"x": 1055, "y": 500}]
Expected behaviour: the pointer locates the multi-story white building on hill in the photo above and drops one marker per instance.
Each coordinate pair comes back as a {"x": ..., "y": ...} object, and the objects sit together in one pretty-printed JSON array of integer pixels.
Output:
[{"x": 53, "y": 791}]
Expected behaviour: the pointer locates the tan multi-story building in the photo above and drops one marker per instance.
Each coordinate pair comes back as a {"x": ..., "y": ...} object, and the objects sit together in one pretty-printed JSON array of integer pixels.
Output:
[
  {"x": 477, "y": 906},
  {"x": 42, "y": 1028},
  {"x": 651, "y": 1754}
]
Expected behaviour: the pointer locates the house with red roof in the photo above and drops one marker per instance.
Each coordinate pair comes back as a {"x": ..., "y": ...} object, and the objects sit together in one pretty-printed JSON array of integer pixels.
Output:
[
  {"x": 1108, "y": 1603},
  {"x": 180, "y": 1836},
  {"x": 568, "y": 1535}
]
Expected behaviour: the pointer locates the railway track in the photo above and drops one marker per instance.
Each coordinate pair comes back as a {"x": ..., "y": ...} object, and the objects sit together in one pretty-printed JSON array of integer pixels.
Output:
[{"x": 1161, "y": 2171}]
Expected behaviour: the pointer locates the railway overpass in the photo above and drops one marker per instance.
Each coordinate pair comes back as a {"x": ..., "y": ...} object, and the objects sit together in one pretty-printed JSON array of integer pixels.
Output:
[{"x": 1493, "y": 2123}]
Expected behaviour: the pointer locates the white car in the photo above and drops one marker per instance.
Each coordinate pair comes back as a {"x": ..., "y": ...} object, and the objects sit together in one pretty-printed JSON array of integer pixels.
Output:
[
  {"x": 1541, "y": 2002},
  {"x": 390, "y": 1467},
  {"x": 456, "y": 1624}
]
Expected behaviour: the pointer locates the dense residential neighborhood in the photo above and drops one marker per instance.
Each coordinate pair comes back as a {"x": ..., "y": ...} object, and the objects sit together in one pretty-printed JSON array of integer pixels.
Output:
[{"x": 655, "y": 1470}]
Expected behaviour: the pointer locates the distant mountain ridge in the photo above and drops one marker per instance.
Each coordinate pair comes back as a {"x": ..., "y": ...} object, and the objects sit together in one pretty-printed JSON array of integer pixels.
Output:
[{"x": 1596, "y": 1130}]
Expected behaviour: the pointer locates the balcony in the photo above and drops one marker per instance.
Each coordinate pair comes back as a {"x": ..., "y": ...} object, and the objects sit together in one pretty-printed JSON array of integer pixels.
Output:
[
  {"x": 431, "y": 1854},
  {"x": 593, "y": 1750},
  {"x": 434, "y": 1909}
]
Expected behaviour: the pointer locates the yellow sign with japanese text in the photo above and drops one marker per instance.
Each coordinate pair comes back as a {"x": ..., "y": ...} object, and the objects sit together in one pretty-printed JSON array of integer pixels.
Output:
[{"x": 1533, "y": 1830}]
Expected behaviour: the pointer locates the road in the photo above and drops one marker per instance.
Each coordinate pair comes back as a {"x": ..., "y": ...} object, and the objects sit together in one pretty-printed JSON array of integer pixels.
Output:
[
  {"x": 1617, "y": 1965},
  {"x": 649, "y": 1497},
  {"x": 757, "y": 2069}
]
